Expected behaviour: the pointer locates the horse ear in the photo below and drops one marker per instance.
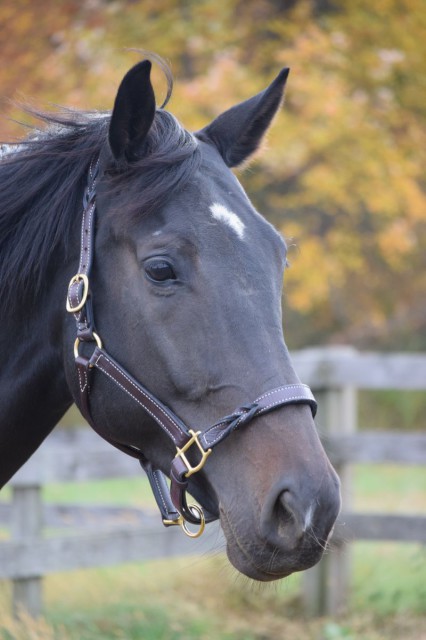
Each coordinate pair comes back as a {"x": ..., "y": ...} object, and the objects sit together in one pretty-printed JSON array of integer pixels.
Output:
[
  {"x": 238, "y": 132},
  {"x": 133, "y": 113}
]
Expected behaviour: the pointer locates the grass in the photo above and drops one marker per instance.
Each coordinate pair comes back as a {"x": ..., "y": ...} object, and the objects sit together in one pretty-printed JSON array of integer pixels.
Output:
[
  {"x": 203, "y": 598},
  {"x": 389, "y": 578}
]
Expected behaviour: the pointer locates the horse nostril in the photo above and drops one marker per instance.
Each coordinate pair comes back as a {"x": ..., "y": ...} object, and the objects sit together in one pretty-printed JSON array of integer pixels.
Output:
[
  {"x": 290, "y": 516},
  {"x": 283, "y": 516},
  {"x": 298, "y": 515}
]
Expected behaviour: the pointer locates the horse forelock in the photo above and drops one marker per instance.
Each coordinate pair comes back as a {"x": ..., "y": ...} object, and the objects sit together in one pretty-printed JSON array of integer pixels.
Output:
[
  {"x": 42, "y": 179},
  {"x": 167, "y": 160}
]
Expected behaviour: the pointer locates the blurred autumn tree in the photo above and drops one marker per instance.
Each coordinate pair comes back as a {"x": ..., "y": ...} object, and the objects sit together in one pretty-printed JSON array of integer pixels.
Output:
[{"x": 343, "y": 178}]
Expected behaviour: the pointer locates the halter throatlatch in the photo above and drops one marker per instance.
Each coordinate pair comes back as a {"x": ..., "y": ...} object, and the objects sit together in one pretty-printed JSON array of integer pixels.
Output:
[{"x": 192, "y": 447}]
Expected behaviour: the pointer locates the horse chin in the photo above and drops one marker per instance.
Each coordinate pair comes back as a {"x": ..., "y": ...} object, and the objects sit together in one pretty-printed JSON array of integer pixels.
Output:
[
  {"x": 245, "y": 566},
  {"x": 259, "y": 561}
]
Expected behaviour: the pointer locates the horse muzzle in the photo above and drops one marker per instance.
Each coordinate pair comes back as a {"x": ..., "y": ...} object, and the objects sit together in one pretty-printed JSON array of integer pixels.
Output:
[{"x": 291, "y": 532}]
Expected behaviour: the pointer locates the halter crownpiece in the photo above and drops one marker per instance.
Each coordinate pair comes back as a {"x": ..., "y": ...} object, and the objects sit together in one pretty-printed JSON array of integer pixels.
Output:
[{"x": 189, "y": 443}]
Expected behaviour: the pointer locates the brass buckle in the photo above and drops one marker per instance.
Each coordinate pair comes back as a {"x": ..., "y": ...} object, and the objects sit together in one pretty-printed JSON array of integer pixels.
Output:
[
  {"x": 79, "y": 277},
  {"x": 181, "y": 522},
  {"x": 204, "y": 454},
  {"x": 77, "y": 343}
]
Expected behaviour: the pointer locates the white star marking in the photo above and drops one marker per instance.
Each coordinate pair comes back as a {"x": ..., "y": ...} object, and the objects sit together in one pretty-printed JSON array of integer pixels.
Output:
[{"x": 222, "y": 214}]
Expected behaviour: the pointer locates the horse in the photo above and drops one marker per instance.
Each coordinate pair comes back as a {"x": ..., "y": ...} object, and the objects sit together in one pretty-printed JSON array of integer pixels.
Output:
[{"x": 168, "y": 334}]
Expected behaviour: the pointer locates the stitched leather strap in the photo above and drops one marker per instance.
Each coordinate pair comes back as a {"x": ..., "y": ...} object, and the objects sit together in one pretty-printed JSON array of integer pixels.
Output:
[
  {"x": 287, "y": 394},
  {"x": 78, "y": 297},
  {"x": 161, "y": 492}
]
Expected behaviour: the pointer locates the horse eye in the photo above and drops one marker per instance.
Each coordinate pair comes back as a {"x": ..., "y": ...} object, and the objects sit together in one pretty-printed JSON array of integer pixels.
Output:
[{"x": 159, "y": 270}]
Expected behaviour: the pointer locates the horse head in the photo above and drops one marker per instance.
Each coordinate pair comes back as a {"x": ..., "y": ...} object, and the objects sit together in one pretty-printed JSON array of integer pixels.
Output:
[{"x": 187, "y": 281}]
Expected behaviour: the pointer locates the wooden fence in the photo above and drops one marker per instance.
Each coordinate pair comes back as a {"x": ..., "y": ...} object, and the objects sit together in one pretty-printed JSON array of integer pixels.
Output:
[
  {"x": 337, "y": 375},
  {"x": 108, "y": 535}
]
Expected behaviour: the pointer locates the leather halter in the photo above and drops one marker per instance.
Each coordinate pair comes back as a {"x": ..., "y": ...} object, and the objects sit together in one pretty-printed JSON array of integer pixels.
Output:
[{"x": 189, "y": 443}]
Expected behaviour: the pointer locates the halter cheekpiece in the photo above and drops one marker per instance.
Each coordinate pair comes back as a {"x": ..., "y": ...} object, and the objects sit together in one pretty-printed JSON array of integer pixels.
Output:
[{"x": 189, "y": 443}]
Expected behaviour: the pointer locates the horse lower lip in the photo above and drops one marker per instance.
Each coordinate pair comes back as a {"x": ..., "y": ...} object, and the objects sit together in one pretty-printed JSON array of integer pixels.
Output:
[
  {"x": 240, "y": 561},
  {"x": 250, "y": 557},
  {"x": 251, "y": 571},
  {"x": 282, "y": 567}
]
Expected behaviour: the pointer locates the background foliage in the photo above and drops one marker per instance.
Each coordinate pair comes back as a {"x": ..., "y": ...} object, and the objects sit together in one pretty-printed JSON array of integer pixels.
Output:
[{"x": 343, "y": 177}]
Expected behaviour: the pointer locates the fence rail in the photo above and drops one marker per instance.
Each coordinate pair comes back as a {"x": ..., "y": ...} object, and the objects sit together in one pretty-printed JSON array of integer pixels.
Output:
[{"x": 106, "y": 535}]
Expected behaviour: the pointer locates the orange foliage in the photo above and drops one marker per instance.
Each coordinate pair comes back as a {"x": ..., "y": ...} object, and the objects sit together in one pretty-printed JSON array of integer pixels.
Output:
[{"x": 344, "y": 171}]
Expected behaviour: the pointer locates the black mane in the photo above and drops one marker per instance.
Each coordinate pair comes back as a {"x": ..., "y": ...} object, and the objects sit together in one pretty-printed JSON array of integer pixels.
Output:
[{"x": 43, "y": 177}]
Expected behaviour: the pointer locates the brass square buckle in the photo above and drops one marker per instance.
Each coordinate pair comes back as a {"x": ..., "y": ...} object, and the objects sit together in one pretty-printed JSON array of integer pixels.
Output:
[
  {"x": 79, "y": 277},
  {"x": 204, "y": 454}
]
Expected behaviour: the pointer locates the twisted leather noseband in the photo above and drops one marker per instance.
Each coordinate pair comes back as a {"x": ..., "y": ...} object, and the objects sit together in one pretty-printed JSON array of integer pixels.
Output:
[{"x": 172, "y": 502}]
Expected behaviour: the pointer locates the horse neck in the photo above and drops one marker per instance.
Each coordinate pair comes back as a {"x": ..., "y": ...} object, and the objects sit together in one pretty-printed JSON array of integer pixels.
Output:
[{"x": 33, "y": 389}]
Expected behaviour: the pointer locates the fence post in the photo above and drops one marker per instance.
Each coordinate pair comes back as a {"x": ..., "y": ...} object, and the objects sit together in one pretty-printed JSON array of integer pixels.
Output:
[
  {"x": 26, "y": 523},
  {"x": 326, "y": 586}
]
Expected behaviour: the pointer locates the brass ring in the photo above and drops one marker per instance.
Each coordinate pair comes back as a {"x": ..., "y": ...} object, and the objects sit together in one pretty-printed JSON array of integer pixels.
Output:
[
  {"x": 198, "y": 533},
  {"x": 77, "y": 343}
]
